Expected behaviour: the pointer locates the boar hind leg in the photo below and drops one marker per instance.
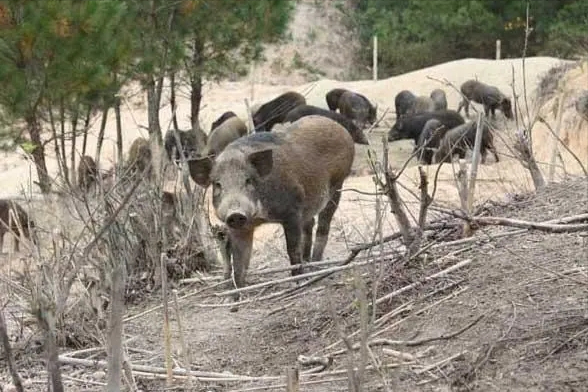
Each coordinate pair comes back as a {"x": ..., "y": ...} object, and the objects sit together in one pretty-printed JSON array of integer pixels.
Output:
[
  {"x": 307, "y": 239},
  {"x": 240, "y": 249},
  {"x": 324, "y": 224},
  {"x": 293, "y": 230}
]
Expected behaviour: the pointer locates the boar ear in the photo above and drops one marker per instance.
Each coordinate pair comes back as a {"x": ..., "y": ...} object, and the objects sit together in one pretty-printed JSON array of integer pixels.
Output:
[
  {"x": 200, "y": 170},
  {"x": 262, "y": 161}
]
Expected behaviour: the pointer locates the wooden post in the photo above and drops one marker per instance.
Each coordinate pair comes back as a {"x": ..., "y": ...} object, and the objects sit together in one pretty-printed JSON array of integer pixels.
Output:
[
  {"x": 556, "y": 132},
  {"x": 292, "y": 380},
  {"x": 497, "y": 49},
  {"x": 250, "y": 124},
  {"x": 375, "y": 59},
  {"x": 474, "y": 171}
]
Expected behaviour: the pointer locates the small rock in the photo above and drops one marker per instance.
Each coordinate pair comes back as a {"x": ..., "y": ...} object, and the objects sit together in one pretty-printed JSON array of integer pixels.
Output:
[{"x": 99, "y": 375}]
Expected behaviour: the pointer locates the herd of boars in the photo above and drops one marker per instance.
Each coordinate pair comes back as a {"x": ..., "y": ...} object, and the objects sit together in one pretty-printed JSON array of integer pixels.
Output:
[{"x": 294, "y": 176}]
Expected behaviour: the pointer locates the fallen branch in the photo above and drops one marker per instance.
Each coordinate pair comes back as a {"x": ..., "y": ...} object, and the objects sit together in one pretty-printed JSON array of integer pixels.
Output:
[
  {"x": 410, "y": 343},
  {"x": 422, "y": 281},
  {"x": 440, "y": 363},
  {"x": 550, "y": 228}
]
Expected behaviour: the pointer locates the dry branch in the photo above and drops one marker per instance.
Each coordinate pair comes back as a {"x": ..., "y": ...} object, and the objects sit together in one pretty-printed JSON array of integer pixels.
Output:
[
  {"x": 446, "y": 271},
  {"x": 8, "y": 354},
  {"x": 550, "y": 228}
]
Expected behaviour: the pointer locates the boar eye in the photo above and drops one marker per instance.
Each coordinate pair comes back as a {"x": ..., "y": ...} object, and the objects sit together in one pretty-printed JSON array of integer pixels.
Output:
[
  {"x": 216, "y": 185},
  {"x": 249, "y": 181}
]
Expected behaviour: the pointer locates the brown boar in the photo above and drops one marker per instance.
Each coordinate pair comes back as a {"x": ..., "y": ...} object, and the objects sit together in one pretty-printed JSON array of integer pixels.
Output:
[
  {"x": 287, "y": 178},
  {"x": 19, "y": 220}
]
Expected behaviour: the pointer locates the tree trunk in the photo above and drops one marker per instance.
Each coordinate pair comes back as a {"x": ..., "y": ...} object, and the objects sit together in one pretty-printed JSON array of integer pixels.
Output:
[
  {"x": 86, "y": 129},
  {"x": 119, "y": 135},
  {"x": 38, "y": 153},
  {"x": 172, "y": 99},
  {"x": 196, "y": 94},
  {"x": 100, "y": 140},
  {"x": 62, "y": 141},
  {"x": 55, "y": 141},
  {"x": 153, "y": 103},
  {"x": 74, "y": 126}
]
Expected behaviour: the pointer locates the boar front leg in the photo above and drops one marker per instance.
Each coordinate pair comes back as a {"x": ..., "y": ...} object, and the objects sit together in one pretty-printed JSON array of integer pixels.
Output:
[
  {"x": 293, "y": 232},
  {"x": 240, "y": 249},
  {"x": 324, "y": 223}
]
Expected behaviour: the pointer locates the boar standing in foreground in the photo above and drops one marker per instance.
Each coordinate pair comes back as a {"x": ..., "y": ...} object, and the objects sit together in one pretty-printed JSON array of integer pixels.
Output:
[
  {"x": 411, "y": 126},
  {"x": 274, "y": 111},
  {"x": 439, "y": 98},
  {"x": 429, "y": 140},
  {"x": 489, "y": 96},
  {"x": 285, "y": 178},
  {"x": 8, "y": 223},
  {"x": 403, "y": 103},
  {"x": 309, "y": 110},
  {"x": 357, "y": 108},
  {"x": 462, "y": 138},
  {"x": 87, "y": 173}
]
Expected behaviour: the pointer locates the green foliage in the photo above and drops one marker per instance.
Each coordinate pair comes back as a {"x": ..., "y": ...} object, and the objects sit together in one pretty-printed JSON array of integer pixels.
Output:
[{"x": 414, "y": 34}]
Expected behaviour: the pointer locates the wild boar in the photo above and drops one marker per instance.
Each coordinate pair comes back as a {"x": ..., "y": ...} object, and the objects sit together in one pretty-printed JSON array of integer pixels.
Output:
[
  {"x": 274, "y": 111},
  {"x": 287, "y": 178},
  {"x": 411, "y": 126},
  {"x": 19, "y": 218},
  {"x": 188, "y": 143},
  {"x": 429, "y": 140},
  {"x": 403, "y": 102},
  {"x": 87, "y": 173},
  {"x": 223, "y": 117},
  {"x": 357, "y": 108},
  {"x": 308, "y": 110},
  {"x": 332, "y": 98},
  {"x": 232, "y": 129},
  {"x": 439, "y": 98},
  {"x": 422, "y": 104},
  {"x": 489, "y": 96},
  {"x": 462, "y": 138}
]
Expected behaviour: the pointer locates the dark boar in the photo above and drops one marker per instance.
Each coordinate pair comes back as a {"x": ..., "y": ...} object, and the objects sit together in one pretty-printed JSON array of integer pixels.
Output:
[
  {"x": 223, "y": 117},
  {"x": 357, "y": 108},
  {"x": 429, "y": 139},
  {"x": 287, "y": 178},
  {"x": 274, "y": 111},
  {"x": 188, "y": 144},
  {"x": 87, "y": 173},
  {"x": 439, "y": 98},
  {"x": 309, "y": 110},
  {"x": 11, "y": 223},
  {"x": 422, "y": 104},
  {"x": 411, "y": 126},
  {"x": 404, "y": 102},
  {"x": 462, "y": 138},
  {"x": 332, "y": 98},
  {"x": 489, "y": 96}
]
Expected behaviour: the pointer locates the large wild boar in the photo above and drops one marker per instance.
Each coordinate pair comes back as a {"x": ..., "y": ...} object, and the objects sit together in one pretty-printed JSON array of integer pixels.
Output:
[
  {"x": 10, "y": 224},
  {"x": 489, "y": 96},
  {"x": 439, "y": 98},
  {"x": 429, "y": 140},
  {"x": 87, "y": 173},
  {"x": 422, "y": 104},
  {"x": 462, "y": 138},
  {"x": 309, "y": 110},
  {"x": 188, "y": 144},
  {"x": 332, "y": 98},
  {"x": 357, "y": 108},
  {"x": 403, "y": 102},
  {"x": 411, "y": 126},
  {"x": 223, "y": 117},
  {"x": 287, "y": 178},
  {"x": 274, "y": 111}
]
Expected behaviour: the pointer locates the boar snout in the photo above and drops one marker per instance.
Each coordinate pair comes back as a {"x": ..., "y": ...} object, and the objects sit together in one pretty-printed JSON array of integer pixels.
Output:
[{"x": 236, "y": 220}]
